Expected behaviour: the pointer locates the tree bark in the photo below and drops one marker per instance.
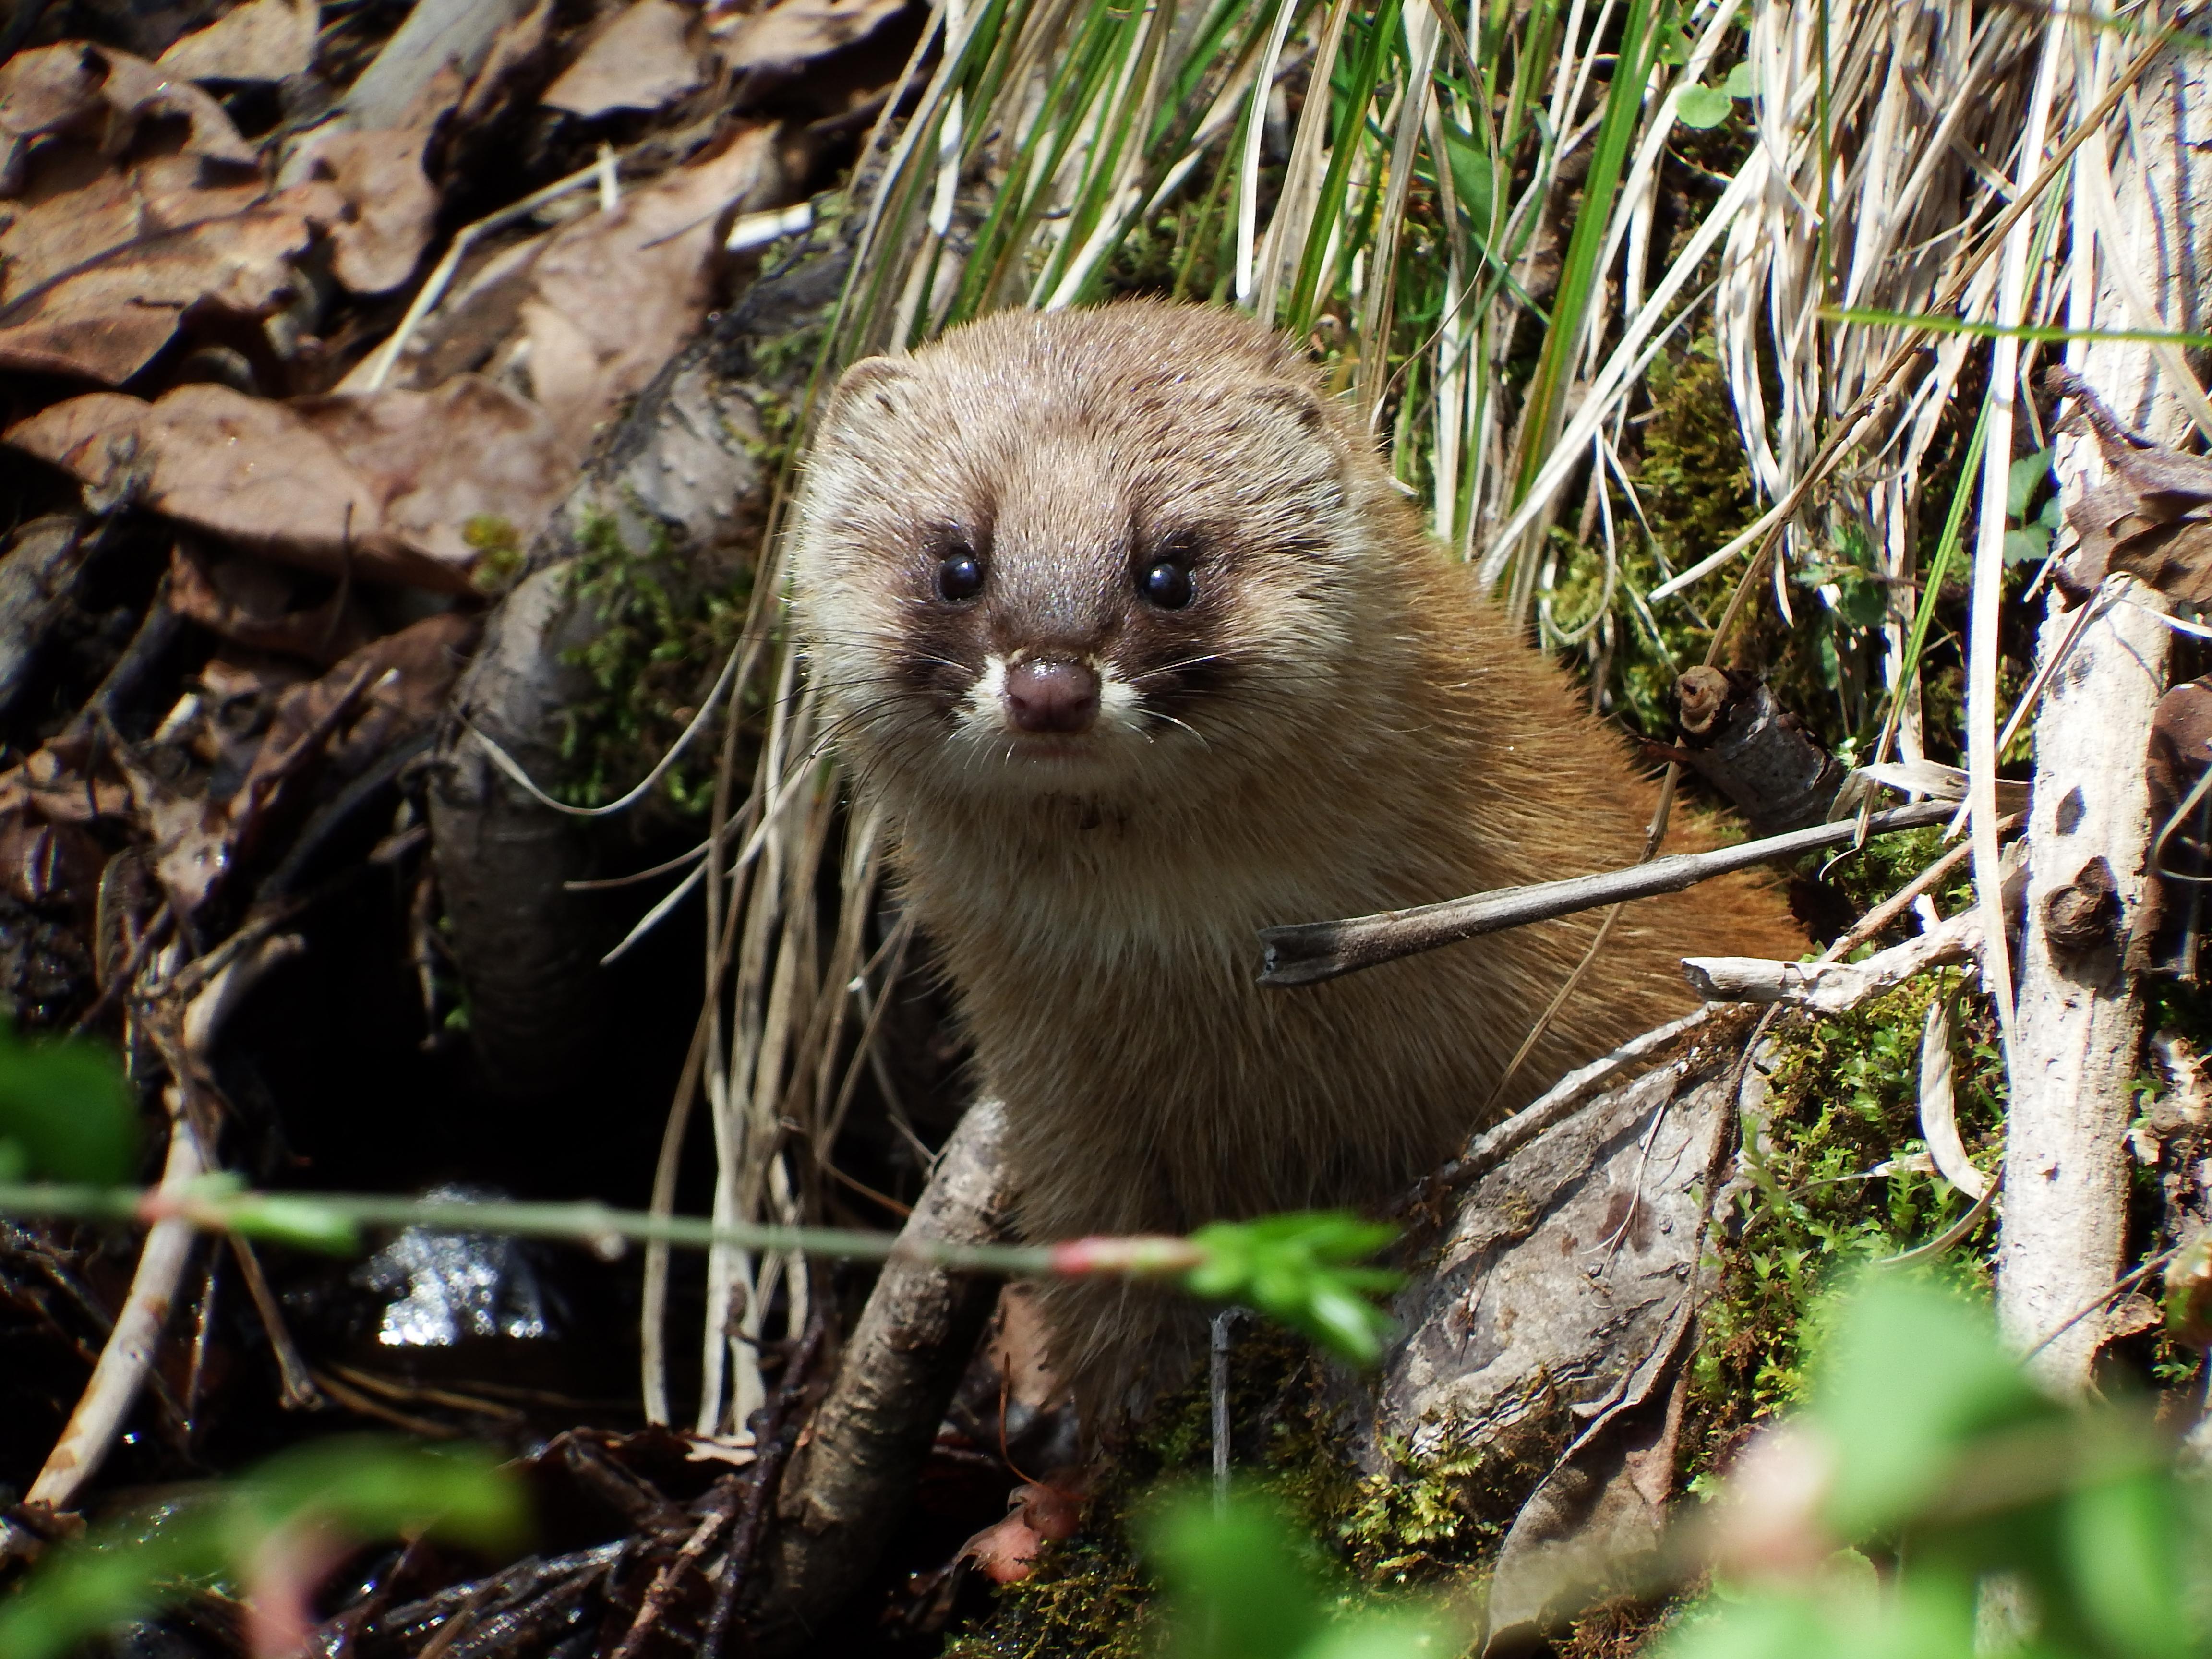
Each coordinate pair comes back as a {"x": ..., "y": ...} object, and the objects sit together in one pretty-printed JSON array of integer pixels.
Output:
[
  {"x": 851, "y": 1481},
  {"x": 2078, "y": 1027}
]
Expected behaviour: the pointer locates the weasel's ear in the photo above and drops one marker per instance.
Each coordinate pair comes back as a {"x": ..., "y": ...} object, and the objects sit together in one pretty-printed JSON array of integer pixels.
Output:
[
  {"x": 874, "y": 380},
  {"x": 1300, "y": 405}
]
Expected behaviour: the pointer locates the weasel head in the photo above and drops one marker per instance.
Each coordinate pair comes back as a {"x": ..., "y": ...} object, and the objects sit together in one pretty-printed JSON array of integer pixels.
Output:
[{"x": 1111, "y": 555}]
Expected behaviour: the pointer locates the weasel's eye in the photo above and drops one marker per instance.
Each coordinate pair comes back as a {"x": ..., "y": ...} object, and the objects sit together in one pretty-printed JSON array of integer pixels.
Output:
[
  {"x": 1166, "y": 584},
  {"x": 959, "y": 575}
]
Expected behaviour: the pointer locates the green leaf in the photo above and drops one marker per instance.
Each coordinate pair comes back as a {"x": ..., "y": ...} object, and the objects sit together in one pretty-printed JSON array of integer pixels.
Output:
[
  {"x": 1910, "y": 1376},
  {"x": 2024, "y": 476},
  {"x": 66, "y": 1108},
  {"x": 1739, "y": 83},
  {"x": 361, "y": 1489},
  {"x": 1673, "y": 46},
  {"x": 2027, "y": 544},
  {"x": 1236, "y": 1586},
  {"x": 1473, "y": 175},
  {"x": 1703, "y": 107},
  {"x": 2123, "y": 1552},
  {"x": 1299, "y": 1270}
]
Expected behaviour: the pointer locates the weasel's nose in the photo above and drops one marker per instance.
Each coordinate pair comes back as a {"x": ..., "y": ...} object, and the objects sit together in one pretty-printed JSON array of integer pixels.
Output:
[{"x": 1051, "y": 696}]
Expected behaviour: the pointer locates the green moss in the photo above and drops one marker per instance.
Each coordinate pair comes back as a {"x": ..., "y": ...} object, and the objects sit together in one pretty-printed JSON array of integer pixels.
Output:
[
  {"x": 1694, "y": 478},
  {"x": 1845, "y": 1100},
  {"x": 1424, "y": 1524},
  {"x": 656, "y": 653},
  {"x": 500, "y": 557}
]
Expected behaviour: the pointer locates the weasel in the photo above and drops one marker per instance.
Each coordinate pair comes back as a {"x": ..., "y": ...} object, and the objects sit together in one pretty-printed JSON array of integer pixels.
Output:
[{"x": 1124, "y": 625}]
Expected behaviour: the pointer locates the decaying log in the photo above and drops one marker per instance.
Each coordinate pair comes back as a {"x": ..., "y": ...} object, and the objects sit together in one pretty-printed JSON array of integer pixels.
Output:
[
  {"x": 527, "y": 946},
  {"x": 2078, "y": 1026},
  {"x": 1563, "y": 1267},
  {"x": 849, "y": 1483},
  {"x": 1746, "y": 745},
  {"x": 682, "y": 471},
  {"x": 37, "y": 568}
]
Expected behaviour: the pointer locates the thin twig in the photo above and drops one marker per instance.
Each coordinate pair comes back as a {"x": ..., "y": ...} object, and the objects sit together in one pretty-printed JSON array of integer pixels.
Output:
[{"x": 1310, "y": 952}]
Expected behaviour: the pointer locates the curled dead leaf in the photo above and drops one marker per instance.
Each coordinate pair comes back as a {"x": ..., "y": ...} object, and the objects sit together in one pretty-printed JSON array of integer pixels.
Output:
[
  {"x": 101, "y": 94},
  {"x": 383, "y": 485},
  {"x": 614, "y": 294},
  {"x": 789, "y": 36},
  {"x": 2189, "y": 1292},
  {"x": 2151, "y": 516},
  {"x": 378, "y": 206},
  {"x": 259, "y": 40},
  {"x": 645, "y": 57},
  {"x": 105, "y": 320},
  {"x": 250, "y": 602}
]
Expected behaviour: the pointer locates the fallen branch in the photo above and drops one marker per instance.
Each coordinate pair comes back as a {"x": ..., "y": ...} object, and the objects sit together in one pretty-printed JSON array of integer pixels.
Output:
[
  {"x": 849, "y": 1484},
  {"x": 1835, "y": 988},
  {"x": 92, "y": 1427},
  {"x": 1310, "y": 952}
]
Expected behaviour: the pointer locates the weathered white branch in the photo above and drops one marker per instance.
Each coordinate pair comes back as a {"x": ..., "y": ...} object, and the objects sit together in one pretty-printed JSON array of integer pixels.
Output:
[
  {"x": 1835, "y": 988},
  {"x": 2079, "y": 1026},
  {"x": 123, "y": 1362}
]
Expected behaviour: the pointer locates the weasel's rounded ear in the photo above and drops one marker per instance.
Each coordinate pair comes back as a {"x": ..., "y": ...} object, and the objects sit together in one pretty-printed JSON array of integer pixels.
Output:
[
  {"x": 1300, "y": 405},
  {"x": 874, "y": 380}
]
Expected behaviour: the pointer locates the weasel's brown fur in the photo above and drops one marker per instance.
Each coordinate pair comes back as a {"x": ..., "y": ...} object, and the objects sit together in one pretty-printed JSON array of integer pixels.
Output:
[{"x": 1335, "y": 724}]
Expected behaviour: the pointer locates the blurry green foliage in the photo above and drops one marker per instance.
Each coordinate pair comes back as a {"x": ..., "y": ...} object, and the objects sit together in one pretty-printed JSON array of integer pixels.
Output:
[
  {"x": 1979, "y": 1490},
  {"x": 1302, "y": 1270},
  {"x": 66, "y": 1113},
  {"x": 313, "y": 1504}
]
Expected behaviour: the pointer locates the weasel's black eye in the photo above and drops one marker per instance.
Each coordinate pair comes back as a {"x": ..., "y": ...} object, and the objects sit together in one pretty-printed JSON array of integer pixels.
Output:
[
  {"x": 959, "y": 575},
  {"x": 1166, "y": 583}
]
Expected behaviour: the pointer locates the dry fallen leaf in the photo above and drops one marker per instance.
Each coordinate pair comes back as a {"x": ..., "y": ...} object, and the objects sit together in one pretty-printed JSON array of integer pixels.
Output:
[
  {"x": 250, "y": 602},
  {"x": 513, "y": 47},
  {"x": 788, "y": 36},
  {"x": 643, "y": 57},
  {"x": 77, "y": 205},
  {"x": 105, "y": 320},
  {"x": 102, "y": 94},
  {"x": 259, "y": 40},
  {"x": 380, "y": 485},
  {"x": 333, "y": 728},
  {"x": 2151, "y": 517},
  {"x": 614, "y": 294},
  {"x": 379, "y": 207}
]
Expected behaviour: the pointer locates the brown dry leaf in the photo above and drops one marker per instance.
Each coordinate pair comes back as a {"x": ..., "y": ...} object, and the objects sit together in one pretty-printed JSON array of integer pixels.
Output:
[
  {"x": 513, "y": 47},
  {"x": 77, "y": 205},
  {"x": 378, "y": 204},
  {"x": 105, "y": 320},
  {"x": 2150, "y": 518},
  {"x": 368, "y": 701},
  {"x": 644, "y": 58},
  {"x": 789, "y": 36},
  {"x": 381, "y": 485},
  {"x": 439, "y": 459},
  {"x": 53, "y": 783},
  {"x": 249, "y": 602},
  {"x": 101, "y": 94},
  {"x": 336, "y": 725},
  {"x": 260, "y": 40},
  {"x": 614, "y": 294}
]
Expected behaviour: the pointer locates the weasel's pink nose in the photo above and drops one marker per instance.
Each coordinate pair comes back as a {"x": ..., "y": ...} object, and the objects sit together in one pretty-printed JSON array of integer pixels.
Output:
[{"x": 1051, "y": 697}]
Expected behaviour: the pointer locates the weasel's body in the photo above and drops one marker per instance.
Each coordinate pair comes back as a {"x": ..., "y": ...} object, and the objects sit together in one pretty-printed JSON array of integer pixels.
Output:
[{"x": 1129, "y": 633}]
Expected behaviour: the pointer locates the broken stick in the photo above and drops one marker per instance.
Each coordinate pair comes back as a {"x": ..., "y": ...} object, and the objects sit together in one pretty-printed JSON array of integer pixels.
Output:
[{"x": 1310, "y": 952}]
